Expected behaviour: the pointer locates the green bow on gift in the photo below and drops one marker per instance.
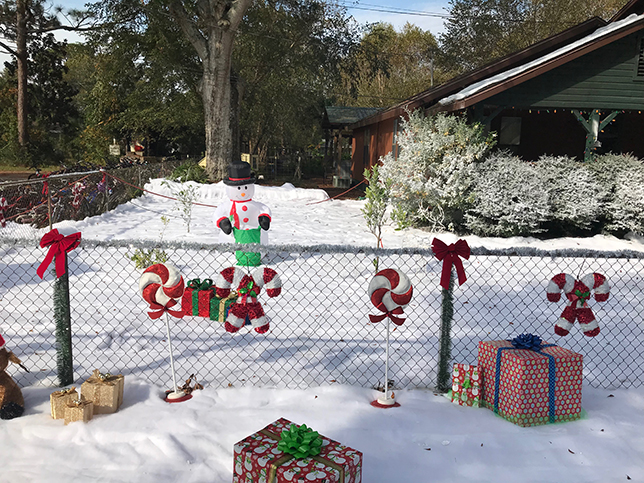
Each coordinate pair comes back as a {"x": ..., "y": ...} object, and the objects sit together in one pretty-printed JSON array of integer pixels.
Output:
[
  {"x": 199, "y": 285},
  {"x": 467, "y": 384},
  {"x": 248, "y": 290},
  {"x": 301, "y": 442}
]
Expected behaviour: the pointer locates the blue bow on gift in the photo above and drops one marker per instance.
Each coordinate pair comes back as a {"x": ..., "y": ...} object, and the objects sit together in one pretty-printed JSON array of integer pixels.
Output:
[{"x": 529, "y": 342}]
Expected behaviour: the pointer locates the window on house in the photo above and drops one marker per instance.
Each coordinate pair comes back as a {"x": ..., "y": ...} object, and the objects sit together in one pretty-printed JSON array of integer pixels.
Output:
[
  {"x": 510, "y": 134},
  {"x": 640, "y": 59},
  {"x": 365, "y": 148}
]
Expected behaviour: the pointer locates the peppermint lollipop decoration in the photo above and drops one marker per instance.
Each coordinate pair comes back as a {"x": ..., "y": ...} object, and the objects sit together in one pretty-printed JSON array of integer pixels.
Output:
[
  {"x": 161, "y": 285},
  {"x": 390, "y": 290}
]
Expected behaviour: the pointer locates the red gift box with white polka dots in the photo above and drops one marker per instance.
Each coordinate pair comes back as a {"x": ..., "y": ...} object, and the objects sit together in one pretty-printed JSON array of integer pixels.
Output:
[
  {"x": 256, "y": 459},
  {"x": 524, "y": 394}
]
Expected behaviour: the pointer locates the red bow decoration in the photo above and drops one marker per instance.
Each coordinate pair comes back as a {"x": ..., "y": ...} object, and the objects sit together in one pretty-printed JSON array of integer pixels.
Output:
[
  {"x": 390, "y": 314},
  {"x": 449, "y": 255},
  {"x": 160, "y": 310},
  {"x": 58, "y": 245}
]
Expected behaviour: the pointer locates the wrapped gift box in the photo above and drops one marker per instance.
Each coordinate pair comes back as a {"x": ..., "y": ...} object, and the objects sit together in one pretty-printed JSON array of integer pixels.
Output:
[
  {"x": 196, "y": 298},
  {"x": 521, "y": 389},
  {"x": 256, "y": 458},
  {"x": 466, "y": 387},
  {"x": 79, "y": 410},
  {"x": 58, "y": 401},
  {"x": 219, "y": 307},
  {"x": 105, "y": 391}
]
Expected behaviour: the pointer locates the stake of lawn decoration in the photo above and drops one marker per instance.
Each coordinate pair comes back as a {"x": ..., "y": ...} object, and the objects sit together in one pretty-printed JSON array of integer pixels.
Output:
[
  {"x": 390, "y": 290},
  {"x": 161, "y": 285},
  {"x": 450, "y": 256},
  {"x": 59, "y": 245}
]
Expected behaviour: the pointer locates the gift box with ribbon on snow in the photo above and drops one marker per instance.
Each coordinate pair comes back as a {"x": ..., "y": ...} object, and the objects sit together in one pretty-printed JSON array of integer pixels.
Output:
[
  {"x": 466, "y": 389},
  {"x": 529, "y": 382},
  {"x": 105, "y": 391},
  {"x": 197, "y": 296},
  {"x": 284, "y": 452}
]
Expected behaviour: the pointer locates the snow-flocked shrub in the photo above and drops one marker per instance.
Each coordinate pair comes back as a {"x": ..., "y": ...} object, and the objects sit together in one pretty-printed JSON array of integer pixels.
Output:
[
  {"x": 509, "y": 198},
  {"x": 622, "y": 180},
  {"x": 430, "y": 179},
  {"x": 573, "y": 194}
]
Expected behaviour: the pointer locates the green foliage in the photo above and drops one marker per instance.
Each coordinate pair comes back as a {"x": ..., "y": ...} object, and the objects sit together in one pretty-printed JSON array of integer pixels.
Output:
[
  {"x": 64, "y": 360},
  {"x": 288, "y": 57},
  {"x": 389, "y": 66},
  {"x": 445, "y": 352},
  {"x": 377, "y": 198},
  {"x": 143, "y": 258},
  {"x": 479, "y": 31},
  {"x": 190, "y": 171}
]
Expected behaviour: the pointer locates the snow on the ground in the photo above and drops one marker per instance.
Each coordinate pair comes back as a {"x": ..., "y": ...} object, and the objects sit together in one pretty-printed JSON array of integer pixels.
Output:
[
  {"x": 426, "y": 439},
  {"x": 300, "y": 216}
]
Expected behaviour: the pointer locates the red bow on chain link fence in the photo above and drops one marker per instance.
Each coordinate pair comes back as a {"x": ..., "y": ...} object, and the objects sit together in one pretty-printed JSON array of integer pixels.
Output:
[
  {"x": 450, "y": 255},
  {"x": 58, "y": 245}
]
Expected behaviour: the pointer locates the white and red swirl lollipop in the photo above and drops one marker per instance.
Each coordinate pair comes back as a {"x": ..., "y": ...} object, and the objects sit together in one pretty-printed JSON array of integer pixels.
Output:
[
  {"x": 390, "y": 290},
  {"x": 161, "y": 285}
]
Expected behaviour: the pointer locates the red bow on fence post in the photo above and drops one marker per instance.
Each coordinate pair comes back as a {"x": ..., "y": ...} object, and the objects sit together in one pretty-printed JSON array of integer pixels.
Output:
[
  {"x": 449, "y": 255},
  {"x": 58, "y": 245}
]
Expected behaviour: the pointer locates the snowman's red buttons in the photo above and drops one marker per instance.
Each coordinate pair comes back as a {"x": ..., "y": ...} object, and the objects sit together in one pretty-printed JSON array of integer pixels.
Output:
[
  {"x": 245, "y": 220},
  {"x": 244, "y": 208}
]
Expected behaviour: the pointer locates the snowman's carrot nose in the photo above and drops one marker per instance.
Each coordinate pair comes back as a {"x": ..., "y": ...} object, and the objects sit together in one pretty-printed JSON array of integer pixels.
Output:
[{"x": 242, "y": 194}]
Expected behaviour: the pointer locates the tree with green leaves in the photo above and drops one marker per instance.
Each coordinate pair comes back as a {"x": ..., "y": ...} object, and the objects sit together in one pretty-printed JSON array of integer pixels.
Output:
[
  {"x": 288, "y": 59},
  {"x": 23, "y": 22},
  {"x": 389, "y": 66},
  {"x": 479, "y": 31}
]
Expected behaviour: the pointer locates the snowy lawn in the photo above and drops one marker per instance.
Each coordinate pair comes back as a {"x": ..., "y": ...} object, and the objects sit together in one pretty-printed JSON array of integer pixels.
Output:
[{"x": 426, "y": 439}]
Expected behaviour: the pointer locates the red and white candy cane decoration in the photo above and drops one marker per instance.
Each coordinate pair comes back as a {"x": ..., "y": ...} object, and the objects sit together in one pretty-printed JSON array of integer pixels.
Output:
[
  {"x": 77, "y": 191},
  {"x": 161, "y": 285},
  {"x": 390, "y": 290},
  {"x": 578, "y": 293},
  {"x": 247, "y": 288},
  {"x": 3, "y": 207}
]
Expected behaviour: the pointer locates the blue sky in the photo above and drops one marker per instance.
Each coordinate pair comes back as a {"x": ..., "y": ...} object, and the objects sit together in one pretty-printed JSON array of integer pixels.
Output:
[{"x": 420, "y": 13}]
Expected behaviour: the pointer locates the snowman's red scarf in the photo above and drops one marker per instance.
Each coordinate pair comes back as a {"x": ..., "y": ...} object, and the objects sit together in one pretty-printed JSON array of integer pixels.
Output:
[{"x": 233, "y": 212}]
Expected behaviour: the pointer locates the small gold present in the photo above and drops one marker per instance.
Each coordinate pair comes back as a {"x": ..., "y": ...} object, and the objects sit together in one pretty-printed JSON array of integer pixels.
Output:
[
  {"x": 58, "y": 400},
  {"x": 76, "y": 410},
  {"x": 105, "y": 391}
]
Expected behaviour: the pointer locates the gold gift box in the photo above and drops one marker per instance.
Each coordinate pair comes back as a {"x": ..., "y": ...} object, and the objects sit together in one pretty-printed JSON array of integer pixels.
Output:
[
  {"x": 76, "y": 410},
  {"x": 105, "y": 391},
  {"x": 59, "y": 399}
]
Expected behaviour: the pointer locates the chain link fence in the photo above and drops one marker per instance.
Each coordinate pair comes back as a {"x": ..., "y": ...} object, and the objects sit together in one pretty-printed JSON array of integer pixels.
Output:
[
  {"x": 319, "y": 326},
  {"x": 34, "y": 202}
]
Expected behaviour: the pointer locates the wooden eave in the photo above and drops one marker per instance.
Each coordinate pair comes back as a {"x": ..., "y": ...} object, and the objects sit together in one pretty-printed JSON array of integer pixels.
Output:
[
  {"x": 632, "y": 7},
  {"x": 456, "y": 84},
  {"x": 490, "y": 91}
]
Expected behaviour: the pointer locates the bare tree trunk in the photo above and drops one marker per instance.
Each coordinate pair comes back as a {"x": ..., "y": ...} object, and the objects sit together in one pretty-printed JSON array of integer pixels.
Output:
[{"x": 21, "y": 57}]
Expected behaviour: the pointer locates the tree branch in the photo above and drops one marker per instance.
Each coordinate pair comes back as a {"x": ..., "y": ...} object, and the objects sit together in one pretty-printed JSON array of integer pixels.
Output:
[
  {"x": 189, "y": 29},
  {"x": 237, "y": 12},
  {"x": 7, "y": 48}
]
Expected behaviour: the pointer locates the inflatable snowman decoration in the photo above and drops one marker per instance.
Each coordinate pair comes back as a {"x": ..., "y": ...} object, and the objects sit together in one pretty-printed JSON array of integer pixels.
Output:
[{"x": 240, "y": 219}]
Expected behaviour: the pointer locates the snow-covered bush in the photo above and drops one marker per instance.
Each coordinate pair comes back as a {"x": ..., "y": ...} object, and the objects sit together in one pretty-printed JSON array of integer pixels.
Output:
[
  {"x": 431, "y": 178},
  {"x": 574, "y": 194},
  {"x": 622, "y": 180},
  {"x": 509, "y": 198}
]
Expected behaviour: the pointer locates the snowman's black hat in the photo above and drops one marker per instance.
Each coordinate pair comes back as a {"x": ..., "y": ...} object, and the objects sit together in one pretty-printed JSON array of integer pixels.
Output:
[{"x": 239, "y": 173}]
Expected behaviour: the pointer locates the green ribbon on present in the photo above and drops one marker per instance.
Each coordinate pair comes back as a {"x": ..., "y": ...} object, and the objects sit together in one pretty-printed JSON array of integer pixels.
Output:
[
  {"x": 197, "y": 284},
  {"x": 467, "y": 384},
  {"x": 301, "y": 442}
]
